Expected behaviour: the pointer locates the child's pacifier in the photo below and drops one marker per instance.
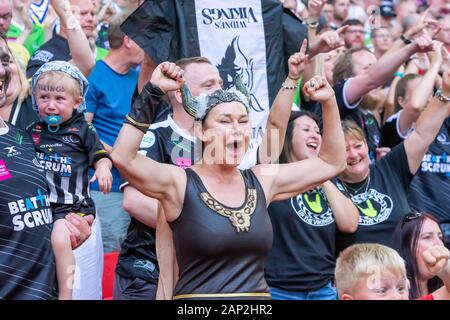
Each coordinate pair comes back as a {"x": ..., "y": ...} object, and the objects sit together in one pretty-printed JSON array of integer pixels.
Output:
[{"x": 53, "y": 123}]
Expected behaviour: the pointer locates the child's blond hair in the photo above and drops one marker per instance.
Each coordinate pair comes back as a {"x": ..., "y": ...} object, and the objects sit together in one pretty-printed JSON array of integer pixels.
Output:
[
  {"x": 365, "y": 259},
  {"x": 56, "y": 78}
]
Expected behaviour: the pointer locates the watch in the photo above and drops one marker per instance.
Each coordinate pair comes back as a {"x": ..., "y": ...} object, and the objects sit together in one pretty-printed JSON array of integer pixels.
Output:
[
  {"x": 405, "y": 40},
  {"x": 441, "y": 96}
]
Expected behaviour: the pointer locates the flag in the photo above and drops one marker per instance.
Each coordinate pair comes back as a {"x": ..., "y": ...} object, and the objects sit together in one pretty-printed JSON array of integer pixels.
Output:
[{"x": 252, "y": 38}]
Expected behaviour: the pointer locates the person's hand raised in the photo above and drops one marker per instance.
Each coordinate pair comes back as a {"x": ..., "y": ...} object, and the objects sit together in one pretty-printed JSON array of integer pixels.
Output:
[
  {"x": 436, "y": 259},
  {"x": 425, "y": 26},
  {"x": 424, "y": 43},
  {"x": 168, "y": 77},
  {"x": 318, "y": 89},
  {"x": 328, "y": 41},
  {"x": 435, "y": 55},
  {"x": 298, "y": 61},
  {"x": 314, "y": 8},
  {"x": 68, "y": 15}
]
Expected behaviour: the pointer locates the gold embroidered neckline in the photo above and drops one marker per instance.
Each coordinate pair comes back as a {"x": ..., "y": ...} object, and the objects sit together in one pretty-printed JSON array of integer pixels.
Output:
[{"x": 239, "y": 218}]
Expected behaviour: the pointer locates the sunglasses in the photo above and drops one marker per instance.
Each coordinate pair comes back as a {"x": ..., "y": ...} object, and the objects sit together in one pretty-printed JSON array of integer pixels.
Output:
[{"x": 411, "y": 216}]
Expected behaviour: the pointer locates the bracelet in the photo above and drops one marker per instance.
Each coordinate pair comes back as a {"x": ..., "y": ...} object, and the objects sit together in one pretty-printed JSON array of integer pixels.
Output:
[
  {"x": 286, "y": 87},
  {"x": 440, "y": 95},
  {"x": 399, "y": 74},
  {"x": 405, "y": 40},
  {"x": 312, "y": 24}
]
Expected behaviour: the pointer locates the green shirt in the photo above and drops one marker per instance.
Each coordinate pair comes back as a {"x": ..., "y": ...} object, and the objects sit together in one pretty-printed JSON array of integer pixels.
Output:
[
  {"x": 101, "y": 53},
  {"x": 34, "y": 40}
]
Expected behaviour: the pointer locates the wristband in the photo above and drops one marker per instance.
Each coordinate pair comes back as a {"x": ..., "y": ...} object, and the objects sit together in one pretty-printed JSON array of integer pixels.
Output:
[
  {"x": 405, "y": 40},
  {"x": 286, "y": 87},
  {"x": 440, "y": 95},
  {"x": 144, "y": 108},
  {"x": 399, "y": 74},
  {"x": 312, "y": 25}
]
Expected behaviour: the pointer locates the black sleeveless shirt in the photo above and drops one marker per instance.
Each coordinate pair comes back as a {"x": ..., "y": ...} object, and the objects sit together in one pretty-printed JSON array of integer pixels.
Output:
[{"x": 221, "y": 251}]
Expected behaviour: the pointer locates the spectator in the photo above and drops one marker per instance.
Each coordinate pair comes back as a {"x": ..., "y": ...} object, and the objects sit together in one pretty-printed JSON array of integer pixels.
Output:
[
  {"x": 354, "y": 35},
  {"x": 58, "y": 48},
  {"x": 419, "y": 232},
  {"x": 382, "y": 41},
  {"x": 22, "y": 180},
  {"x": 23, "y": 29},
  {"x": 380, "y": 190},
  {"x": 19, "y": 111},
  {"x": 409, "y": 101},
  {"x": 357, "y": 72},
  {"x": 19, "y": 50},
  {"x": 340, "y": 12},
  {"x": 137, "y": 269},
  {"x": 328, "y": 11},
  {"x": 304, "y": 226},
  {"x": 376, "y": 272},
  {"x": 113, "y": 82},
  {"x": 59, "y": 89},
  {"x": 205, "y": 277}
]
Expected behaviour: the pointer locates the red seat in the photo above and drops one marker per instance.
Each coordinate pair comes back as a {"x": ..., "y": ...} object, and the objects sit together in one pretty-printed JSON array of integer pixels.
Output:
[{"x": 109, "y": 267}]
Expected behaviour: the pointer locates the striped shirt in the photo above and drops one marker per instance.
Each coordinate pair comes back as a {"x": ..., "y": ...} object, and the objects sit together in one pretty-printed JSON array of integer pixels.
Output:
[
  {"x": 66, "y": 157},
  {"x": 27, "y": 267}
]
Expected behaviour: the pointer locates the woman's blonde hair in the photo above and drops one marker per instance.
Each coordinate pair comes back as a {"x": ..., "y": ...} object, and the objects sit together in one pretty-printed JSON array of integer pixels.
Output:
[
  {"x": 365, "y": 259},
  {"x": 350, "y": 128},
  {"x": 24, "y": 84}
]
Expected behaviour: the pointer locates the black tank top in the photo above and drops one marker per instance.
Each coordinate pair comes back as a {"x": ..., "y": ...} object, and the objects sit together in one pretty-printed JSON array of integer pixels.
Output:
[{"x": 221, "y": 251}]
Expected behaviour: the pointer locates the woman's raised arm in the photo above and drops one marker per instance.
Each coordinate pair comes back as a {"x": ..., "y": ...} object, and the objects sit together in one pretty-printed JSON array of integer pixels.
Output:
[
  {"x": 286, "y": 180},
  {"x": 157, "y": 180}
]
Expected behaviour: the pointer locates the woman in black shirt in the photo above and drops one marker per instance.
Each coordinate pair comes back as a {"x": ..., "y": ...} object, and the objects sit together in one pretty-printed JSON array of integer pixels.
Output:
[
  {"x": 301, "y": 263},
  {"x": 379, "y": 191},
  {"x": 223, "y": 255}
]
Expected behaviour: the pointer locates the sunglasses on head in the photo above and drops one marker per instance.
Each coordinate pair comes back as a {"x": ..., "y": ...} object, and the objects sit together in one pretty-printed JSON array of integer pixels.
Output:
[{"x": 411, "y": 216}]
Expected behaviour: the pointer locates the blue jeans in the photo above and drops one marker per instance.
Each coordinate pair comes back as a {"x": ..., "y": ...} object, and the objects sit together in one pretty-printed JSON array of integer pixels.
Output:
[
  {"x": 114, "y": 220},
  {"x": 327, "y": 292}
]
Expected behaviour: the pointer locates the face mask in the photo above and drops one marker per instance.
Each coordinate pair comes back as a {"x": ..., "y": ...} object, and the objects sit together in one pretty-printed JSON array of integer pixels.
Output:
[{"x": 53, "y": 123}]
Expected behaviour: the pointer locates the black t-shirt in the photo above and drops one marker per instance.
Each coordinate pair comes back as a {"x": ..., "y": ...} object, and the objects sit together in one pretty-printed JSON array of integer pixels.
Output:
[
  {"x": 22, "y": 114},
  {"x": 164, "y": 143},
  {"x": 304, "y": 240},
  {"x": 382, "y": 203},
  {"x": 57, "y": 48},
  {"x": 66, "y": 157},
  {"x": 430, "y": 188},
  {"x": 363, "y": 118},
  {"x": 390, "y": 132},
  {"x": 27, "y": 265}
]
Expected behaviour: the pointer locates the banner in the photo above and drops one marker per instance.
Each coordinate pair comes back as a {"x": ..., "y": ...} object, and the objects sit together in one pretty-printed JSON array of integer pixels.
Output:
[{"x": 252, "y": 38}]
